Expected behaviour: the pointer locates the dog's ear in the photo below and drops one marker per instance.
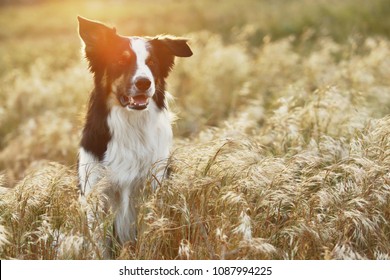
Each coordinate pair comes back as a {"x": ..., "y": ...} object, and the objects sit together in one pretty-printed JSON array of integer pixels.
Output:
[
  {"x": 166, "y": 48},
  {"x": 99, "y": 41},
  {"x": 94, "y": 33},
  {"x": 175, "y": 46}
]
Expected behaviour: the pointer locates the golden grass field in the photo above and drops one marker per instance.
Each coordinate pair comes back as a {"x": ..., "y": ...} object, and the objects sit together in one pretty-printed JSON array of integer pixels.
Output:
[{"x": 282, "y": 143}]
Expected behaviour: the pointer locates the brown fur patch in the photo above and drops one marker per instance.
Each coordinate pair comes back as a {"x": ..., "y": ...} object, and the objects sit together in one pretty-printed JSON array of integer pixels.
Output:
[{"x": 116, "y": 86}]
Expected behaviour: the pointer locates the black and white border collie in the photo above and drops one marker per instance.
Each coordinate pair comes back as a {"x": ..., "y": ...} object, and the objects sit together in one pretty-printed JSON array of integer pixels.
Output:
[{"x": 127, "y": 131}]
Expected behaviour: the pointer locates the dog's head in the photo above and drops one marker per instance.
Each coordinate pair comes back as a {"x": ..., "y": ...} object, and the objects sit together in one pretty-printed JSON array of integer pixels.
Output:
[{"x": 131, "y": 70}]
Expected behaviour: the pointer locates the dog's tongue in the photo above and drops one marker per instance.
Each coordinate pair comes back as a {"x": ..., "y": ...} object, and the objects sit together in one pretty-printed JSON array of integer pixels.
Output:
[{"x": 139, "y": 100}]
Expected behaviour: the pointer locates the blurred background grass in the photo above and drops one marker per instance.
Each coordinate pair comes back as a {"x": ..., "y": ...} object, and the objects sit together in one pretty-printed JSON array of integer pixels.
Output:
[
  {"x": 41, "y": 75},
  {"x": 41, "y": 27}
]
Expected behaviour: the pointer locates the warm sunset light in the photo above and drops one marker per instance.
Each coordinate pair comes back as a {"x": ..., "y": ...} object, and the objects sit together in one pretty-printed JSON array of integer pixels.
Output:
[{"x": 280, "y": 119}]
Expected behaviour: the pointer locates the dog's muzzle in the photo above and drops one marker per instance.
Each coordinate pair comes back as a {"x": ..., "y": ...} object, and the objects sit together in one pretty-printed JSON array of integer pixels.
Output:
[
  {"x": 138, "y": 102},
  {"x": 139, "y": 98}
]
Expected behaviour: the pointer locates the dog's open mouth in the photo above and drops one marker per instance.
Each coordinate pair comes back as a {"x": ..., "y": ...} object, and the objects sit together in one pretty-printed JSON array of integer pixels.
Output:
[{"x": 139, "y": 102}]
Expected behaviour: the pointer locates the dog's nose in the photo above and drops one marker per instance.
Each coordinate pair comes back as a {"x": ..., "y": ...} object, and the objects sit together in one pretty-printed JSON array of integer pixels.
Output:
[{"x": 143, "y": 84}]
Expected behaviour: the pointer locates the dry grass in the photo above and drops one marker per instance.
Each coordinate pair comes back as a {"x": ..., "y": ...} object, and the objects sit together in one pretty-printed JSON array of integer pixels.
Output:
[{"x": 281, "y": 149}]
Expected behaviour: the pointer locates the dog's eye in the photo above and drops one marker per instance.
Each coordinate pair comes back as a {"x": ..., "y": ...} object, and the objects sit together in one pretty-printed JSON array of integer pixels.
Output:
[
  {"x": 122, "y": 62},
  {"x": 149, "y": 61},
  {"x": 124, "y": 59}
]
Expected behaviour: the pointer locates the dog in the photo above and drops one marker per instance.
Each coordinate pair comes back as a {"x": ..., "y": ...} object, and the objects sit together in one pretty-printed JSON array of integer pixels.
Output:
[{"x": 127, "y": 131}]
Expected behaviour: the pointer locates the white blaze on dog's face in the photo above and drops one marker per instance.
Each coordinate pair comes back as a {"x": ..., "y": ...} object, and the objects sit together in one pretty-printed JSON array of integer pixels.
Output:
[
  {"x": 142, "y": 82},
  {"x": 134, "y": 69},
  {"x": 143, "y": 79}
]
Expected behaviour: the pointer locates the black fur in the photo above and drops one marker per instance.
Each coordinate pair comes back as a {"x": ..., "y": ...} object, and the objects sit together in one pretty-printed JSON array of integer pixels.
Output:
[{"x": 96, "y": 134}]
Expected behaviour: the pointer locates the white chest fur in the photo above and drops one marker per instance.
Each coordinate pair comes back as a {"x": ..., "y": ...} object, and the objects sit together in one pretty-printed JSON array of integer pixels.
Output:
[
  {"x": 139, "y": 141},
  {"x": 140, "y": 144}
]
